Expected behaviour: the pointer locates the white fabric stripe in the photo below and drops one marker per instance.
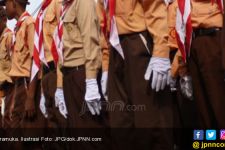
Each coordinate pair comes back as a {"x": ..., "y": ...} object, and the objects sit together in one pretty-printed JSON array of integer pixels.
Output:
[
  {"x": 114, "y": 37},
  {"x": 34, "y": 70}
]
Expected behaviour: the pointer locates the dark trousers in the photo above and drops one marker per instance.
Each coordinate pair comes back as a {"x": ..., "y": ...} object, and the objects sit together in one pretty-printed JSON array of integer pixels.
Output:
[
  {"x": 57, "y": 124},
  {"x": 135, "y": 104},
  {"x": 222, "y": 41},
  {"x": 208, "y": 80},
  {"x": 8, "y": 90},
  {"x": 80, "y": 121},
  {"x": 20, "y": 125}
]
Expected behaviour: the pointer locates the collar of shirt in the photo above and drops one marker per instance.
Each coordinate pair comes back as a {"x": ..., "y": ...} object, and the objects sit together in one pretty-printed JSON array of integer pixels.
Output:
[
  {"x": 4, "y": 33},
  {"x": 21, "y": 20},
  {"x": 45, "y": 4}
]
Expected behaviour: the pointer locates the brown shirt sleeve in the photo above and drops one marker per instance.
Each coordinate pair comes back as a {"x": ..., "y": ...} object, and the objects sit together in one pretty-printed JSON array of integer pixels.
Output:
[
  {"x": 172, "y": 41},
  {"x": 156, "y": 20},
  {"x": 103, "y": 40},
  {"x": 5, "y": 58},
  {"x": 30, "y": 37},
  {"x": 23, "y": 49},
  {"x": 51, "y": 20},
  {"x": 88, "y": 25}
]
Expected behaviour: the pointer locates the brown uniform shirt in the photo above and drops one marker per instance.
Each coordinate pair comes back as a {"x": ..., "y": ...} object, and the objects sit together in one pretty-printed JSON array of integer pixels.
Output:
[
  {"x": 81, "y": 37},
  {"x": 50, "y": 22},
  {"x": 5, "y": 58},
  {"x": 23, "y": 49},
  {"x": 137, "y": 16},
  {"x": 203, "y": 15}
]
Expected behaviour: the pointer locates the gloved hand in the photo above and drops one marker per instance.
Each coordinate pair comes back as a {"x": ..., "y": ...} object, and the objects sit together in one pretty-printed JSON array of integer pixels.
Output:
[
  {"x": 104, "y": 81},
  {"x": 3, "y": 106},
  {"x": 42, "y": 106},
  {"x": 158, "y": 68},
  {"x": 186, "y": 87},
  {"x": 172, "y": 82},
  {"x": 92, "y": 97},
  {"x": 60, "y": 102}
]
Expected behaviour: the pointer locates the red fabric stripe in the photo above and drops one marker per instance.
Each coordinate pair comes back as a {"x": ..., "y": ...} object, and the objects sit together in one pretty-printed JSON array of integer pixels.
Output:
[
  {"x": 54, "y": 52},
  {"x": 104, "y": 28},
  {"x": 219, "y": 2},
  {"x": 20, "y": 21},
  {"x": 181, "y": 5}
]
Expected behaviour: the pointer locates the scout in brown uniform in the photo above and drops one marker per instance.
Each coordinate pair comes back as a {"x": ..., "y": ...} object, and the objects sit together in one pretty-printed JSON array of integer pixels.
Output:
[
  {"x": 81, "y": 63},
  {"x": 205, "y": 63},
  {"x": 6, "y": 84},
  {"x": 142, "y": 29},
  {"x": 82, "y": 60},
  {"x": 25, "y": 110},
  {"x": 52, "y": 76},
  {"x": 179, "y": 72}
]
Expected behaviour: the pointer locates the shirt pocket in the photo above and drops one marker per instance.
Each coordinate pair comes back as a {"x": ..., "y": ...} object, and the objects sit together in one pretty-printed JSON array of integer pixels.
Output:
[
  {"x": 21, "y": 51},
  {"x": 205, "y": 9},
  {"x": 121, "y": 10},
  {"x": 50, "y": 23},
  {"x": 71, "y": 32}
]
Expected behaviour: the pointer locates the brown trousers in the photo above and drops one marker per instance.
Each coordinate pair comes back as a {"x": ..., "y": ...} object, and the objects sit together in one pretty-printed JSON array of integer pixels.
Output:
[
  {"x": 21, "y": 126},
  {"x": 57, "y": 124},
  {"x": 55, "y": 119},
  {"x": 8, "y": 90},
  {"x": 74, "y": 91},
  {"x": 134, "y": 103},
  {"x": 80, "y": 121},
  {"x": 208, "y": 84}
]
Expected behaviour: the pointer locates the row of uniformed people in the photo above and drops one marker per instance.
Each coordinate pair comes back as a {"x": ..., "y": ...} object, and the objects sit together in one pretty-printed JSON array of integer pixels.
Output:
[{"x": 135, "y": 70}]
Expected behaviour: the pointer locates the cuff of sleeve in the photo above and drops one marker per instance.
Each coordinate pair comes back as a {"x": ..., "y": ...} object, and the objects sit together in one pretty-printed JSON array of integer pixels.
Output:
[
  {"x": 91, "y": 74},
  {"x": 161, "y": 51},
  {"x": 174, "y": 68},
  {"x": 59, "y": 78},
  {"x": 105, "y": 66}
]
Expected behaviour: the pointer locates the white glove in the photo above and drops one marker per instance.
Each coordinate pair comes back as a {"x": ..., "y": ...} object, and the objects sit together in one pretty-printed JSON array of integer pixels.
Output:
[
  {"x": 158, "y": 68},
  {"x": 42, "y": 106},
  {"x": 92, "y": 97},
  {"x": 60, "y": 102},
  {"x": 3, "y": 106},
  {"x": 172, "y": 82},
  {"x": 104, "y": 81},
  {"x": 186, "y": 87}
]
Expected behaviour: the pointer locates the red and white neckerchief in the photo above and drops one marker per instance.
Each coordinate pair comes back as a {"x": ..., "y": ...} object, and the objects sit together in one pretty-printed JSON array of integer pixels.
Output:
[
  {"x": 114, "y": 36},
  {"x": 6, "y": 32},
  {"x": 184, "y": 26},
  {"x": 38, "y": 53},
  {"x": 57, "y": 43},
  {"x": 220, "y": 4}
]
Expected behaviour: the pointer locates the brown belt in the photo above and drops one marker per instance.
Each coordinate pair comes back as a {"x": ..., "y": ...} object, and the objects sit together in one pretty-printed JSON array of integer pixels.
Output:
[{"x": 66, "y": 70}]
